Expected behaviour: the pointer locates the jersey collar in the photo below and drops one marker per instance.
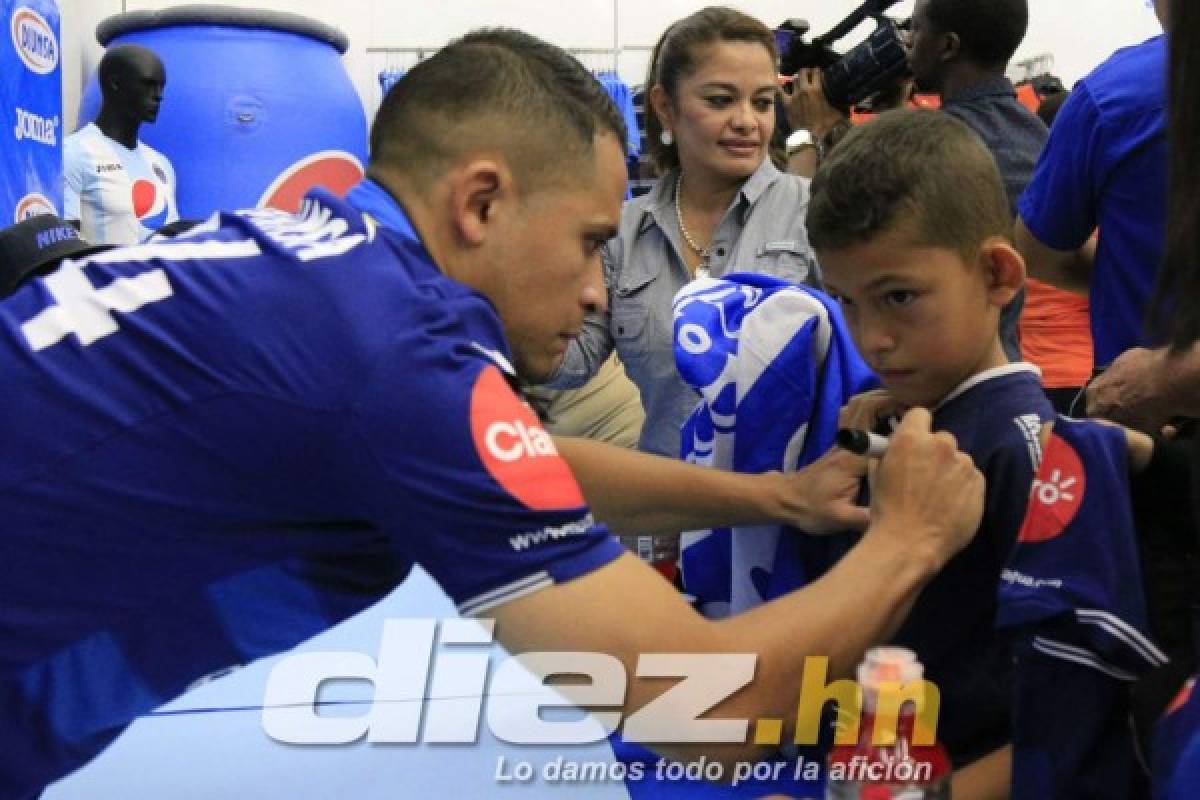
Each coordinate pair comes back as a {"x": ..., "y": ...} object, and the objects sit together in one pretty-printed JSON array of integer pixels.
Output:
[
  {"x": 371, "y": 198},
  {"x": 987, "y": 375}
]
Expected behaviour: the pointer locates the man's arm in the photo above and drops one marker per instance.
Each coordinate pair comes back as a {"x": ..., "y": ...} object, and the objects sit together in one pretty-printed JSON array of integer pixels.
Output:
[
  {"x": 808, "y": 108},
  {"x": 926, "y": 504},
  {"x": 1066, "y": 269},
  {"x": 635, "y": 492},
  {"x": 1144, "y": 389}
]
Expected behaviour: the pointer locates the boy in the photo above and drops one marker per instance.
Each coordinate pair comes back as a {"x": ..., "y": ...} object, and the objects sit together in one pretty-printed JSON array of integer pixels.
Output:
[{"x": 911, "y": 226}]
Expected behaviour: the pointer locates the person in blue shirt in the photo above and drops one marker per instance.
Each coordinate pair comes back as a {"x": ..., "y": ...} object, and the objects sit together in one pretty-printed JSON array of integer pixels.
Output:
[
  {"x": 911, "y": 223},
  {"x": 959, "y": 50},
  {"x": 910, "y": 220},
  {"x": 1105, "y": 167},
  {"x": 219, "y": 445}
]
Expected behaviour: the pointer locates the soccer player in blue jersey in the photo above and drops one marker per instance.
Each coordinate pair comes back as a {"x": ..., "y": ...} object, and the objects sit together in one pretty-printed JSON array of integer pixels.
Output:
[
  {"x": 912, "y": 228},
  {"x": 219, "y": 445}
]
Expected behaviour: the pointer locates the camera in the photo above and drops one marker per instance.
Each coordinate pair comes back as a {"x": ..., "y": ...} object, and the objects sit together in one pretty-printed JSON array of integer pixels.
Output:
[{"x": 880, "y": 62}]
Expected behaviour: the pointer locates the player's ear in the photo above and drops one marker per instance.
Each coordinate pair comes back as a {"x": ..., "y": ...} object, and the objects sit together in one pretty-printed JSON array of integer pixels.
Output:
[
  {"x": 478, "y": 191},
  {"x": 1004, "y": 270}
]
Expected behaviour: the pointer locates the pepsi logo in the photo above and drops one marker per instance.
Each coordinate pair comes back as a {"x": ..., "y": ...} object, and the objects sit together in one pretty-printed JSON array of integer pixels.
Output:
[
  {"x": 150, "y": 203},
  {"x": 334, "y": 170},
  {"x": 516, "y": 450},
  {"x": 31, "y": 205},
  {"x": 34, "y": 41},
  {"x": 1057, "y": 493}
]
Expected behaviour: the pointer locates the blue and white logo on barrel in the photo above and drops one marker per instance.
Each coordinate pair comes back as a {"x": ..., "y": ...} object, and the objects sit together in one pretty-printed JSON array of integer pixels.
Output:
[{"x": 34, "y": 40}]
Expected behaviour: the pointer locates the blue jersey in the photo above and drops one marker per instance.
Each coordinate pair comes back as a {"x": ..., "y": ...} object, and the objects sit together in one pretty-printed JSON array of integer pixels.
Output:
[
  {"x": 219, "y": 445},
  {"x": 1105, "y": 165},
  {"x": 995, "y": 418},
  {"x": 1072, "y": 592}
]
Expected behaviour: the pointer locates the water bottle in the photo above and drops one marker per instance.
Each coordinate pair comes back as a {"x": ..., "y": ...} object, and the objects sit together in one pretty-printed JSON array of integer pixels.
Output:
[{"x": 894, "y": 768}]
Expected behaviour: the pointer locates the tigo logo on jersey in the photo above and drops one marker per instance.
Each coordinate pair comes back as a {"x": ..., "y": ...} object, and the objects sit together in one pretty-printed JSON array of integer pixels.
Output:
[
  {"x": 515, "y": 450},
  {"x": 1057, "y": 493},
  {"x": 31, "y": 205},
  {"x": 34, "y": 40},
  {"x": 38, "y": 128},
  {"x": 335, "y": 170},
  {"x": 150, "y": 203}
]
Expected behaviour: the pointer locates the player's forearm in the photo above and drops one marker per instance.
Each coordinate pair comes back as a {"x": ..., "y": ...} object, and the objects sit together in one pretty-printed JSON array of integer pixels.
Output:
[
  {"x": 856, "y": 605},
  {"x": 637, "y": 492},
  {"x": 860, "y": 602}
]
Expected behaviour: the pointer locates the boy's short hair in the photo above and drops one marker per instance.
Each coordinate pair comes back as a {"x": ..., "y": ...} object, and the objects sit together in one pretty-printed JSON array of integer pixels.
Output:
[
  {"x": 496, "y": 89},
  {"x": 923, "y": 170}
]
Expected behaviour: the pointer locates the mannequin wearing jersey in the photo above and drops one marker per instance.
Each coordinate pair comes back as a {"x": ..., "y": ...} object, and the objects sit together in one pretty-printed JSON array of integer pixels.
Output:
[{"x": 118, "y": 189}]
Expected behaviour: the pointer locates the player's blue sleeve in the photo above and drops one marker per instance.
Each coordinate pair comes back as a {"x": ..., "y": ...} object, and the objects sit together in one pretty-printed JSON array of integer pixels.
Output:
[
  {"x": 470, "y": 484},
  {"x": 1059, "y": 206}
]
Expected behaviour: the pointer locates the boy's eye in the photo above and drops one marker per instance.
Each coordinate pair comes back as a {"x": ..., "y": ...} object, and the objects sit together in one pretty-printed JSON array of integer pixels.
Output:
[
  {"x": 718, "y": 100},
  {"x": 900, "y": 297},
  {"x": 763, "y": 105}
]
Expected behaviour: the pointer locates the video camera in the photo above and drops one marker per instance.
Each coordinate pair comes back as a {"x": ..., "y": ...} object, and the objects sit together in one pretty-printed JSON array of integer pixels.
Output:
[{"x": 876, "y": 64}]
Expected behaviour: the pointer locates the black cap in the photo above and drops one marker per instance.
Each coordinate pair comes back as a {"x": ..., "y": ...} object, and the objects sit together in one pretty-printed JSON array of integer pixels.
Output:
[{"x": 38, "y": 244}]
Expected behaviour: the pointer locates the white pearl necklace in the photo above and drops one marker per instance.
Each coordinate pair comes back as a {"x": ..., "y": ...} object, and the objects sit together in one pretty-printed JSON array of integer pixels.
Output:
[{"x": 702, "y": 271}]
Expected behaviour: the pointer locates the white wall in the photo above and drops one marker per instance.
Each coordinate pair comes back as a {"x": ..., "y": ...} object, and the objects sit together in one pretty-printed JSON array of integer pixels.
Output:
[{"x": 1080, "y": 33}]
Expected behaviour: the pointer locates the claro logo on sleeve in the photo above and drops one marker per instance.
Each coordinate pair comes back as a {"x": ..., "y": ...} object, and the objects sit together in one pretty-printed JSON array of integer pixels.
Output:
[{"x": 515, "y": 448}]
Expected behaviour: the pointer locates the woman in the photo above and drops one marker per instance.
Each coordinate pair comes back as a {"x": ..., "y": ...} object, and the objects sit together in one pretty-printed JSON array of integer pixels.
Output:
[{"x": 720, "y": 206}]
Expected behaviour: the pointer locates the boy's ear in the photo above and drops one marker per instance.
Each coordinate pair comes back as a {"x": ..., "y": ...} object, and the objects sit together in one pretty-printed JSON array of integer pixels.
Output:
[{"x": 1003, "y": 268}]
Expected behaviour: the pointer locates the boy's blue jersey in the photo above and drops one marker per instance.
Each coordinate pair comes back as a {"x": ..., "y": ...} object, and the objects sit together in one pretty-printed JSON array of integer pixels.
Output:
[
  {"x": 1072, "y": 595},
  {"x": 217, "y": 446},
  {"x": 995, "y": 418}
]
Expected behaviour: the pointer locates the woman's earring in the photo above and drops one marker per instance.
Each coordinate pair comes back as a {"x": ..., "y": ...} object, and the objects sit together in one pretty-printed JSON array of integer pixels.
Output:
[{"x": 667, "y": 138}]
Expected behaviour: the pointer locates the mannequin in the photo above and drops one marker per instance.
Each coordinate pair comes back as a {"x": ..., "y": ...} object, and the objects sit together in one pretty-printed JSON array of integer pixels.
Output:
[{"x": 118, "y": 189}]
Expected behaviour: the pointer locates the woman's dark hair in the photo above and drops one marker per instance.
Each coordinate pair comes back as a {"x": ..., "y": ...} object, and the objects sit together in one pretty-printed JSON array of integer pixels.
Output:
[
  {"x": 1175, "y": 310},
  {"x": 677, "y": 55}
]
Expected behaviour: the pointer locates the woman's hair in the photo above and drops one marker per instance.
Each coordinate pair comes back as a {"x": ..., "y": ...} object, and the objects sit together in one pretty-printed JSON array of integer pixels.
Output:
[
  {"x": 677, "y": 55},
  {"x": 1175, "y": 310}
]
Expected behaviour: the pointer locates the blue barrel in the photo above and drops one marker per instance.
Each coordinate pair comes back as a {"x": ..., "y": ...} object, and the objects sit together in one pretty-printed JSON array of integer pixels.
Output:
[{"x": 258, "y": 108}]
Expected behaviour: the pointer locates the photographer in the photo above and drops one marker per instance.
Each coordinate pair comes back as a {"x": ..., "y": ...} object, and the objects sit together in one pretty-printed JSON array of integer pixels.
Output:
[{"x": 959, "y": 49}]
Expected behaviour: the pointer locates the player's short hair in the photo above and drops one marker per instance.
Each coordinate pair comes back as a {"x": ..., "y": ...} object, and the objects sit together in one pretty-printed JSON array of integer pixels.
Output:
[
  {"x": 495, "y": 89},
  {"x": 921, "y": 172},
  {"x": 990, "y": 30}
]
